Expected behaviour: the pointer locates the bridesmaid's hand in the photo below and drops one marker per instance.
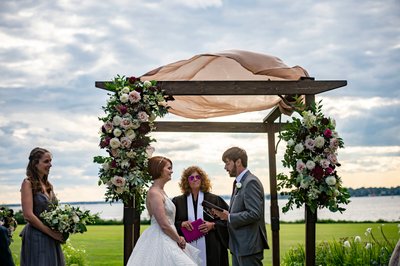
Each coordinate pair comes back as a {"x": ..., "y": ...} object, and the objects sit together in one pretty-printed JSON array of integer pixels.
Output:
[{"x": 57, "y": 236}]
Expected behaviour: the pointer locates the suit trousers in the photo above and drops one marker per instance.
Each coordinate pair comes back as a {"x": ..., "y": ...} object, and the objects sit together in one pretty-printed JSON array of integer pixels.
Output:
[{"x": 250, "y": 260}]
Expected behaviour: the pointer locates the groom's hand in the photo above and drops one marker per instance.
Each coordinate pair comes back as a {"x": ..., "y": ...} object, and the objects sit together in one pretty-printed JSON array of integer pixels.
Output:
[{"x": 222, "y": 215}]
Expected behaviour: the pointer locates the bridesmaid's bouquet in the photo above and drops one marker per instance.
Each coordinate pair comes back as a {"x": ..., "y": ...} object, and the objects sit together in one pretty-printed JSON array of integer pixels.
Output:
[{"x": 67, "y": 219}]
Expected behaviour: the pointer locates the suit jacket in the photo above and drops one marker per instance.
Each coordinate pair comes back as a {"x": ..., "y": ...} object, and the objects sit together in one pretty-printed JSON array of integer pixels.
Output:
[
  {"x": 246, "y": 226},
  {"x": 216, "y": 240}
]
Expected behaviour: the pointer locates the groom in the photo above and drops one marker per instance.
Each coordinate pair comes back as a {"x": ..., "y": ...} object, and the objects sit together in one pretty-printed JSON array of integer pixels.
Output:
[{"x": 246, "y": 222}]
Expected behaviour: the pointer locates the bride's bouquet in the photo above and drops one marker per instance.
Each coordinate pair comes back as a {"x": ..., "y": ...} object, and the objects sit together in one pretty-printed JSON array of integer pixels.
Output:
[{"x": 67, "y": 219}]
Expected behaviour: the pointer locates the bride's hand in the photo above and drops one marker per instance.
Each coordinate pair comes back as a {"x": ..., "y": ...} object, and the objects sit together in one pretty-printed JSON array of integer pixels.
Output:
[{"x": 182, "y": 242}]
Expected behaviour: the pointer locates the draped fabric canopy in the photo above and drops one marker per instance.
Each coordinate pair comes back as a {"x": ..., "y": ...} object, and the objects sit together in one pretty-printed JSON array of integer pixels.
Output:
[{"x": 227, "y": 65}]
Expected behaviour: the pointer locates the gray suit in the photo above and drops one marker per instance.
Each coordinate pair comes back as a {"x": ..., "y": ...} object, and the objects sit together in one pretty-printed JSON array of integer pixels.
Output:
[{"x": 246, "y": 226}]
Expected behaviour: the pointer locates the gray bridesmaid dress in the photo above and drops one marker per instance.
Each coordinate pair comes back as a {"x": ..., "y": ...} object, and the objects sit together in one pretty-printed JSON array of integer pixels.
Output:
[{"x": 38, "y": 248}]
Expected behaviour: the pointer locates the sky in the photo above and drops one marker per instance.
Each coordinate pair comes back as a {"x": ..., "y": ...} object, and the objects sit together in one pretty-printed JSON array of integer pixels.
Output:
[{"x": 52, "y": 52}]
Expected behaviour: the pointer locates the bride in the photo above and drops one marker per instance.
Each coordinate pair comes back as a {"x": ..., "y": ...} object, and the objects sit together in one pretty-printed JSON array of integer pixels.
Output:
[{"x": 160, "y": 244}]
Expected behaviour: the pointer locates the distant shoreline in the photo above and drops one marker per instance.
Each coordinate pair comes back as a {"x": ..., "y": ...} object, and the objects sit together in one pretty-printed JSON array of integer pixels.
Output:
[{"x": 226, "y": 197}]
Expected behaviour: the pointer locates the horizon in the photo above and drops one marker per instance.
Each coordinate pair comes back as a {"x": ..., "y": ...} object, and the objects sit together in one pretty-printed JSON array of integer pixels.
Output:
[{"x": 53, "y": 52}]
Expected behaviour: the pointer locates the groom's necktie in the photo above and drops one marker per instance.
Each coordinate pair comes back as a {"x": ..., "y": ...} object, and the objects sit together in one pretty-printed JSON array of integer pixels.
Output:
[{"x": 233, "y": 188}]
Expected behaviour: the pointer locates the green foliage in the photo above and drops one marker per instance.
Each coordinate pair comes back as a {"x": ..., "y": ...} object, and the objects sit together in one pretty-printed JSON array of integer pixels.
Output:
[
  {"x": 347, "y": 251},
  {"x": 74, "y": 256},
  {"x": 311, "y": 156}
]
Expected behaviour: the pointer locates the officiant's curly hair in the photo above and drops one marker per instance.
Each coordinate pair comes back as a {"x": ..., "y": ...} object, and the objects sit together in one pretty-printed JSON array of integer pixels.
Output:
[{"x": 184, "y": 183}]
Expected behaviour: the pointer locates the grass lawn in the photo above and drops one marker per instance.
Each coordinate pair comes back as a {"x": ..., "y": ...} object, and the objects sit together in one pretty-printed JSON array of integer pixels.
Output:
[{"x": 104, "y": 244}]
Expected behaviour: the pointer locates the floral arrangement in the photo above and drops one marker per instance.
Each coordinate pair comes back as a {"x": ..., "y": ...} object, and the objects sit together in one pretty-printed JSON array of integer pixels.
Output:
[
  {"x": 311, "y": 154},
  {"x": 7, "y": 220},
  {"x": 67, "y": 219},
  {"x": 130, "y": 113}
]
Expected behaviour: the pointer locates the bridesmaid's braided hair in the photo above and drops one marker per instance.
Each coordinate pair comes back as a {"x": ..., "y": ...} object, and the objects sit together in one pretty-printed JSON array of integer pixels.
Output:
[{"x": 32, "y": 172}]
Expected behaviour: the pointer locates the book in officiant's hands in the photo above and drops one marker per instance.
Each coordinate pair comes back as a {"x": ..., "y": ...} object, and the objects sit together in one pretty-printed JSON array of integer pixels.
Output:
[{"x": 195, "y": 233}]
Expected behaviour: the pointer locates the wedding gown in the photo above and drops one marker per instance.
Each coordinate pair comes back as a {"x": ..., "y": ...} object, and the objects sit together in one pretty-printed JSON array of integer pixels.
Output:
[{"x": 154, "y": 247}]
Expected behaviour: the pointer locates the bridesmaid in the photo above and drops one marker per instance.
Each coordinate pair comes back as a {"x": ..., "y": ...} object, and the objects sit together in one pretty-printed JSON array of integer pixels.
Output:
[{"x": 40, "y": 244}]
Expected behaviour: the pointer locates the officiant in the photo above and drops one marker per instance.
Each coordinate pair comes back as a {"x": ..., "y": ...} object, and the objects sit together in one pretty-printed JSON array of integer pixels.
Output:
[{"x": 196, "y": 186}]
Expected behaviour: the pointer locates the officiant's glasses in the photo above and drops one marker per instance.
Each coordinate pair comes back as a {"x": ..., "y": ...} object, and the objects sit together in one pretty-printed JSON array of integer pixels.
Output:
[{"x": 192, "y": 177}]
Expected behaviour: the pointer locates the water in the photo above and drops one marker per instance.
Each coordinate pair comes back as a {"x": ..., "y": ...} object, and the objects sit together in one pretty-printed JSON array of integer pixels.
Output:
[{"x": 359, "y": 209}]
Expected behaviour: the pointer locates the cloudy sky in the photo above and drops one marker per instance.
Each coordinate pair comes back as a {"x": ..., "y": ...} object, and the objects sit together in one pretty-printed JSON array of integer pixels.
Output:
[{"x": 52, "y": 52}]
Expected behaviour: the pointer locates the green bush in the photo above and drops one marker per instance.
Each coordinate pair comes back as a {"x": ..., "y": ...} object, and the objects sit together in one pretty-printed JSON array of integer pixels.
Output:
[
  {"x": 74, "y": 256},
  {"x": 346, "y": 251}
]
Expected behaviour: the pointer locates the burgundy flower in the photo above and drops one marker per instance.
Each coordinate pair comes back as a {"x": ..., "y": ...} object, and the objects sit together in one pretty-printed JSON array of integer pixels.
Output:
[
  {"x": 328, "y": 171},
  {"x": 144, "y": 128},
  {"x": 313, "y": 129},
  {"x": 105, "y": 142},
  {"x": 114, "y": 164},
  {"x": 122, "y": 109},
  {"x": 328, "y": 133},
  {"x": 132, "y": 79},
  {"x": 317, "y": 172},
  {"x": 325, "y": 121}
]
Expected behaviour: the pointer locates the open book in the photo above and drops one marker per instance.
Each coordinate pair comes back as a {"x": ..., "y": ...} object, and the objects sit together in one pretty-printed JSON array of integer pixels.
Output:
[{"x": 195, "y": 233}]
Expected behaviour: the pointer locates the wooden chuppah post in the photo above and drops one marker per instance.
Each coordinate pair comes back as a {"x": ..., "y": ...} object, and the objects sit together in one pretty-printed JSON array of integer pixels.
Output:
[
  {"x": 274, "y": 208},
  {"x": 131, "y": 222},
  {"x": 310, "y": 217}
]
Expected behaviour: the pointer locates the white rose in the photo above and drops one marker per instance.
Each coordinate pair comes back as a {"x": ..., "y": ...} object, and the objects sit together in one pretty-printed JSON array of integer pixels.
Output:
[
  {"x": 120, "y": 190},
  {"x": 147, "y": 84},
  {"x": 310, "y": 165},
  {"x": 125, "y": 164},
  {"x": 106, "y": 166},
  {"x": 117, "y": 120},
  {"x": 125, "y": 90},
  {"x": 117, "y": 132},
  {"x": 319, "y": 142},
  {"x": 75, "y": 218},
  {"x": 299, "y": 148},
  {"x": 238, "y": 185},
  {"x": 150, "y": 150},
  {"x": 130, "y": 134},
  {"x": 115, "y": 143},
  {"x": 330, "y": 180},
  {"x": 290, "y": 142},
  {"x": 124, "y": 98},
  {"x": 130, "y": 154}
]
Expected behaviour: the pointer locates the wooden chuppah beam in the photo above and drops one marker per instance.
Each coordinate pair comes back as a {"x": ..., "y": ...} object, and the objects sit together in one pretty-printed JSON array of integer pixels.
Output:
[
  {"x": 222, "y": 127},
  {"x": 245, "y": 87}
]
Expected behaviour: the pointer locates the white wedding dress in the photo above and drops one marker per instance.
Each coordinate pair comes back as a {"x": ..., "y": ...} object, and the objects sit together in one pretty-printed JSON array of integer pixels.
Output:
[{"x": 154, "y": 247}]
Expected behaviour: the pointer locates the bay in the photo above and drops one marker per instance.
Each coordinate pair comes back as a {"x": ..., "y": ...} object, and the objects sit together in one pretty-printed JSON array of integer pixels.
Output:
[{"x": 359, "y": 209}]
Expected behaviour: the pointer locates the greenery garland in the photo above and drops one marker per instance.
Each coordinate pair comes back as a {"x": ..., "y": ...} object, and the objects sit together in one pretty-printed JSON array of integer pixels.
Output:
[
  {"x": 130, "y": 113},
  {"x": 311, "y": 154}
]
